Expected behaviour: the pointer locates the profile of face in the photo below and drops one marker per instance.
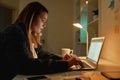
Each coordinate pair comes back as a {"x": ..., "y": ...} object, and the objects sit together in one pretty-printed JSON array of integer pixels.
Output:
[{"x": 39, "y": 23}]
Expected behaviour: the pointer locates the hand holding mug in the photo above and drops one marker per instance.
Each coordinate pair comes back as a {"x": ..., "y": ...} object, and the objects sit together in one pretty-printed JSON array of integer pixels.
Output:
[{"x": 66, "y": 52}]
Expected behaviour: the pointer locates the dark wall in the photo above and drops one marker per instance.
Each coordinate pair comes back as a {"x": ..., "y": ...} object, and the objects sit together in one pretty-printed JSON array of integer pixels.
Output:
[{"x": 5, "y": 16}]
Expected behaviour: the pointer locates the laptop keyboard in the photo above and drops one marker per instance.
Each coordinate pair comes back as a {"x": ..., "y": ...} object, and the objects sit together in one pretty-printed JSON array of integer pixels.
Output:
[
  {"x": 86, "y": 65},
  {"x": 76, "y": 67}
]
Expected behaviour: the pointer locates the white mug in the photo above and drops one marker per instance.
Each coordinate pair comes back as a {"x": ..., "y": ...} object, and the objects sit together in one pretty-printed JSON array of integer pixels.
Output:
[{"x": 66, "y": 51}]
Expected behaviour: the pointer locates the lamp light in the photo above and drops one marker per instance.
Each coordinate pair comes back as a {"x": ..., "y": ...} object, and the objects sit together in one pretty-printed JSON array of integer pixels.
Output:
[{"x": 78, "y": 25}]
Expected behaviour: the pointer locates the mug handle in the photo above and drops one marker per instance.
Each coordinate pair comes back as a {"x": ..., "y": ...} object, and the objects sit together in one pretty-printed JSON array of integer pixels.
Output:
[{"x": 71, "y": 51}]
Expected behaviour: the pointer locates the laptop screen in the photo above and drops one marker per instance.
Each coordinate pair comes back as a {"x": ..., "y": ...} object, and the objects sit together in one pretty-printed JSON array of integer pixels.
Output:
[{"x": 95, "y": 48}]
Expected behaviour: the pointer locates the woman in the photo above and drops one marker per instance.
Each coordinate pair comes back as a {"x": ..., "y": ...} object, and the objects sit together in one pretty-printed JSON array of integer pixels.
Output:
[{"x": 21, "y": 50}]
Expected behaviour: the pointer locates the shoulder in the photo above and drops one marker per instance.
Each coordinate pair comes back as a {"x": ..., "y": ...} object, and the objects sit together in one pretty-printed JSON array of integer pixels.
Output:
[
  {"x": 12, "y": 28},
  {"x": 14, "y": 31}
]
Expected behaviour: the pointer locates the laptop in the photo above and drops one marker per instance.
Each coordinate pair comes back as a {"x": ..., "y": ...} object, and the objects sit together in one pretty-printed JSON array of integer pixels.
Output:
[{"x": 90, "y": 62}]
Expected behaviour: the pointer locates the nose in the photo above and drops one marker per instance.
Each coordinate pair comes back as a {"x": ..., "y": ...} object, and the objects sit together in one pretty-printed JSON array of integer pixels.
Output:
[{"x": 44, "y": 25}]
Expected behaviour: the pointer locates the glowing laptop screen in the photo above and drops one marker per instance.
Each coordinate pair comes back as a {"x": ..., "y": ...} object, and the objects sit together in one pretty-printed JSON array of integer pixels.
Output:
[{"x": 95, "y": 48}]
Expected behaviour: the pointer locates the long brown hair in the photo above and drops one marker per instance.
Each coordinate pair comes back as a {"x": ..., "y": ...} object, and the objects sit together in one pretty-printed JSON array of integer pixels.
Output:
[{"x": 30, "y": 12}]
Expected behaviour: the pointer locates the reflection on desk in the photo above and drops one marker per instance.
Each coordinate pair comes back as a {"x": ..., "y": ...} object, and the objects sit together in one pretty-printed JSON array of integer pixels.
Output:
[
  {"x": 84, "y": 75},
  {"x": 73, "y": 75}
]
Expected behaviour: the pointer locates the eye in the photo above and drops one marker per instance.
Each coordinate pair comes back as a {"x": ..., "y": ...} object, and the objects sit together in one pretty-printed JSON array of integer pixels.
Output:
[{"x": 44, "y": 20}]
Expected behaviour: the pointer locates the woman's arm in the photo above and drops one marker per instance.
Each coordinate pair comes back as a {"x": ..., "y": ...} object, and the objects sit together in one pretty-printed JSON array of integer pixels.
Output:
[{"x": 42, "y": 54}]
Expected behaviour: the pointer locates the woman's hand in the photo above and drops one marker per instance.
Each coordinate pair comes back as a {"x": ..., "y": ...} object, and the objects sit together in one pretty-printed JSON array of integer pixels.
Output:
[
  {"x": 72, "y": 60},
  {"x": 67, "y": 56},
  {"x": 79, "y": 62}
]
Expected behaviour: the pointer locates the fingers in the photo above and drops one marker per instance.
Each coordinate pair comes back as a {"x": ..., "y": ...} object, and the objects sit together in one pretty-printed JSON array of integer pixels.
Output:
[
  {"x": 71, "y": 61},
  {"x": 80, "y": 63},
  {"x": 75, "y": 61},
  {"x": 66, "y": 57}
]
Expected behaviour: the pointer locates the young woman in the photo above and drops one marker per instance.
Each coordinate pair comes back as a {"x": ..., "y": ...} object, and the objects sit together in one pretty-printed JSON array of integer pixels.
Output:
[{"x": 20, "y": 46}]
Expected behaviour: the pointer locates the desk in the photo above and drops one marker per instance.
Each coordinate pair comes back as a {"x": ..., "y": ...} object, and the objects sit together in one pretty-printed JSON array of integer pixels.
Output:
[
  {"x": 103, "y": 65},
  {"x": 72, "y": 75}
]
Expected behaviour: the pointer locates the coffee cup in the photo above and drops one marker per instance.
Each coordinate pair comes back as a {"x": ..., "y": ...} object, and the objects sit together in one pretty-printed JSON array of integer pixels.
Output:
[{"x": 66, "y": 51}]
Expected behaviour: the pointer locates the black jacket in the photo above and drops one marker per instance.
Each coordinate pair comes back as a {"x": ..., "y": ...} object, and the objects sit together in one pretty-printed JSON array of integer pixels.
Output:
[{"x": 15, "y": 55}]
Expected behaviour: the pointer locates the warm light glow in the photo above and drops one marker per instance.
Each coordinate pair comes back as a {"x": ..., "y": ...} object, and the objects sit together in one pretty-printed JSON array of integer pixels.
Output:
[
  {"x": 86, "y": 2},
  {"x": 77, "y": 25}
]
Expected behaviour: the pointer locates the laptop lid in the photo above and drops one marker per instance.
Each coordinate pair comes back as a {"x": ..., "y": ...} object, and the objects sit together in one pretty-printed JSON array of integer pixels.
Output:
[
  {"x": 95, "y": 49},
  {"x": 93, "y": 54}
]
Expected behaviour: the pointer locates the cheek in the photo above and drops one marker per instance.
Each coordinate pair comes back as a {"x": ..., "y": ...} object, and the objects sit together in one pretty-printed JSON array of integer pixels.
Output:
[{"x": 36, "y": 27}]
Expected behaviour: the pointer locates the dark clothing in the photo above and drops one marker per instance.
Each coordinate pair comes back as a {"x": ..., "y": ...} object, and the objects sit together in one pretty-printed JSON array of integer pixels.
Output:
[{"x": 16, "y": 57}]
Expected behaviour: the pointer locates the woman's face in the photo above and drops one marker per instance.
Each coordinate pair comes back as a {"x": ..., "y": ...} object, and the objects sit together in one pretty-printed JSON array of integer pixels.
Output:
[{"x": 39, "y": 23}]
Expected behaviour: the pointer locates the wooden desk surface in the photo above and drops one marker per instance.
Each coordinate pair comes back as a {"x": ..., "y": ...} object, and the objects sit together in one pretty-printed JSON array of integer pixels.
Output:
[
  {"x": 105, "y": 65},
  {"x": 84, "y": 75},
  {"x": 73, "y": 75}
]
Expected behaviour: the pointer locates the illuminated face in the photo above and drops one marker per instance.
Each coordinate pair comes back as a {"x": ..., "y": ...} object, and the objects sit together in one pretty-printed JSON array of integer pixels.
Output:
[{"x": 39, "y": 23}]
